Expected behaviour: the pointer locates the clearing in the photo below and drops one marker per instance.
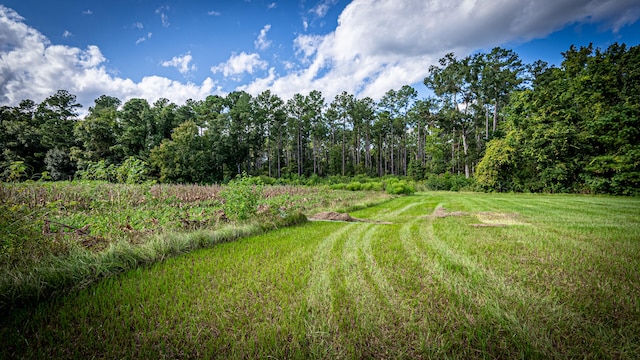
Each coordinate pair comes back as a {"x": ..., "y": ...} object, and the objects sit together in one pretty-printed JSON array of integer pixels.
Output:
[{"x": 546, "y": 276}]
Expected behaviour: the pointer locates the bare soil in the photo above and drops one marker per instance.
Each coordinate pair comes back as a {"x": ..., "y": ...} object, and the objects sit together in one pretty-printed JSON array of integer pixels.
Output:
[
  {"x": 335, "y": 216},
  {"x": 487, "y": 218}
]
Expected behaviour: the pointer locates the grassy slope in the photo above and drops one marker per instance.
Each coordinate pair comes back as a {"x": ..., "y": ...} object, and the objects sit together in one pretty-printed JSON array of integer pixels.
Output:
[{"x": 562, "y": 282}]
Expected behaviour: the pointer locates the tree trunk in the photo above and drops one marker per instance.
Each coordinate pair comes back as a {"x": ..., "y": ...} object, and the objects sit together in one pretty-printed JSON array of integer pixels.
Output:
[
  {"x": 279, "y": 156},
  {"x": 486, "y": 124},
  {"x": 465, "y": 149},
  {"x": 495, "y": 117}
]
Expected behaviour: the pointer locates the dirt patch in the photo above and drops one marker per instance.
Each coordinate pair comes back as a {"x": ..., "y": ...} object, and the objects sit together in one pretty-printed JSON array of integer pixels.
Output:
[
  {"x": 442, "y": 212},
  {"x": 500, "y": 219},
  {"x": 335, "y": 216},
  {"x": 487, "y": 218}
]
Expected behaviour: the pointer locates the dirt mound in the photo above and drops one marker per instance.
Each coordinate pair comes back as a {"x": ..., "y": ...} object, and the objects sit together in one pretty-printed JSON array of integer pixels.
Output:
[
  {"x": 332, "y": 216},
  {"x": 335, "y": 216}
]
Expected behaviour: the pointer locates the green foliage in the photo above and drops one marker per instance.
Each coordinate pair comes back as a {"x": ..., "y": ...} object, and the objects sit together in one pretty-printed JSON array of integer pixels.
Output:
[
  {"x": 448, "y": 182},
  {"x": 395, "y": 186},
  {"x": 187, "y": 157},
  {"x": 241, "y": 197},
  {"x": 17, "y": 171},
  {"x": 97, "y": 171},
  {"x": 20, "y": 240},
  {"x": 572, "y": 128},
  {"x": 497, "y": 165},
  {"x": 132, "y": 171},
  {"x": 575, "y": 130},
  {"x": 354, "y": 186},
  {"x": 59, "y": 164}
]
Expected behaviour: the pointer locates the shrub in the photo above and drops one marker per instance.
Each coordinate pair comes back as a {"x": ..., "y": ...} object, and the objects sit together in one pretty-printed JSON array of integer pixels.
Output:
[
  {"x": 448, "y": 182},
  {"x": 132, "y": 171},
  {"x": 241, "y": 197},
  {"x": 59, "y": 164},
  {"x": 398, "y": 187},
  {"x": 354, "y": 186}
]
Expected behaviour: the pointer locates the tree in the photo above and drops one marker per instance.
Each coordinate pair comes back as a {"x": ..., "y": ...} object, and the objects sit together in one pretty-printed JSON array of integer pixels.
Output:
[
  {"x": 98, "y": 132},
  {"x": 339, "y": 112},
  {"x": 270, "y": 109},
  {"x": 57, "y": 116},
  {"x": 186, "y": 157},
  {"x": 137, "y": 126},
  {"x": 397, "y": 104},
  {"x": 59, "y": 164},
  {"x": 500, "y": 75},
  {"x": 318, "y": 128},
  {"x": 21, "y": 139}
]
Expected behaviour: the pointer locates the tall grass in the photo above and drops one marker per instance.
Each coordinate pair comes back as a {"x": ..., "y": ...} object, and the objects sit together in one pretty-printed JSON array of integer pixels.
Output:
[
  {"x": 55, "y": 237},
  {"x": 82, "y": 267}
]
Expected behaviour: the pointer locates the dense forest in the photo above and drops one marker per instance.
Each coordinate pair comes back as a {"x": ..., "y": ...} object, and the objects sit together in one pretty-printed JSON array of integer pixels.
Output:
[{"x": 509, "y": 126}]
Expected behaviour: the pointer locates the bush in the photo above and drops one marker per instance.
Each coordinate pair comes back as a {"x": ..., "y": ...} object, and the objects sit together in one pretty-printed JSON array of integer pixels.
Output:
[
  {"x": 131, "y": 171},
  {"x": 448, "y": 182},
  {"x": 354, "y": 186},
  {"x": 241, "y": 197},
  {"x": 59, "y": 164},
  {"x": 399, "y": 187}
]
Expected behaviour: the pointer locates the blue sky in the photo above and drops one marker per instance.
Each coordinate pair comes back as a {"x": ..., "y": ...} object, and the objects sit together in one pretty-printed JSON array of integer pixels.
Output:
[{"x": 191, "y": 49}]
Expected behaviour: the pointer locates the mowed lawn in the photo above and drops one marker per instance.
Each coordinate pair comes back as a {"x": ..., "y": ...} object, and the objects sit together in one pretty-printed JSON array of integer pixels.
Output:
[{"x": 437, "y": 275}]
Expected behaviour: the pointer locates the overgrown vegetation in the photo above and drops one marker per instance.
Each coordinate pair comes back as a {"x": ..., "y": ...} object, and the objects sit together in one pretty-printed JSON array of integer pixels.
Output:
[
  {"x": 60, "y": 235},
  {"x": 440, "y": 275}
]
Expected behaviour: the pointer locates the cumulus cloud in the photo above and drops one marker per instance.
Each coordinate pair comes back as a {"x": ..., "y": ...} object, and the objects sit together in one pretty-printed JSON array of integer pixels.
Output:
[
  {"x": 33, "y": 68},
  {"x": 262, "y": 43},
  {"x": 181, "y": 63},
  {"x": 67, "y": 34},
  {"x": 383, "y": 44},
  {"x": 239, "y": 64}
]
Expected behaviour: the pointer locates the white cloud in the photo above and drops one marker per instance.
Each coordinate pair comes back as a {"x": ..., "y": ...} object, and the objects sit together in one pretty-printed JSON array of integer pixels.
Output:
[
  {"x": 181, "y": 63},
  {"x": 214, "y": 13},
  {"x": 307, "y": 45},
  {"x": 87, "y": 12},
  {"x": 383, "y": 44},
  {"x": 32, "y": 68},
  {"x": 272, "y": 6},
  {"x": 262, "y": 43},
  {"x": 239, "y": 64},
  {"x": 321, "y": 8},
  {"x": 67, "y": 34},
  {"x": 144, "y": 38},
  {"x": 138, "y": 25},
  {"x": 163, "y": 16}
]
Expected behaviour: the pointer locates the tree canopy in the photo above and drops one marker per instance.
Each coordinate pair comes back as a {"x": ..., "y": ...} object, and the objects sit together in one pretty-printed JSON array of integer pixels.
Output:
[{"x": 510, "y": 126}]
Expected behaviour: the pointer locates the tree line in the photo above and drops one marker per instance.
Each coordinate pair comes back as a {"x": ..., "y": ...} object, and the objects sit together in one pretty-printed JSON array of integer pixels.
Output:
[{"x": 510, "y": 126}]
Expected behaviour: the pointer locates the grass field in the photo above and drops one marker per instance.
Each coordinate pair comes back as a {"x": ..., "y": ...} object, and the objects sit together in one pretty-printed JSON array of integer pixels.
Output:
[{"x": 440, "y": 275}]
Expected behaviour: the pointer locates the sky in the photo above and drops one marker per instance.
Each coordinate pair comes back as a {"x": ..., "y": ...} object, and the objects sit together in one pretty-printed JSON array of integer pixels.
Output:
[{"x": 183, "y": 50}]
